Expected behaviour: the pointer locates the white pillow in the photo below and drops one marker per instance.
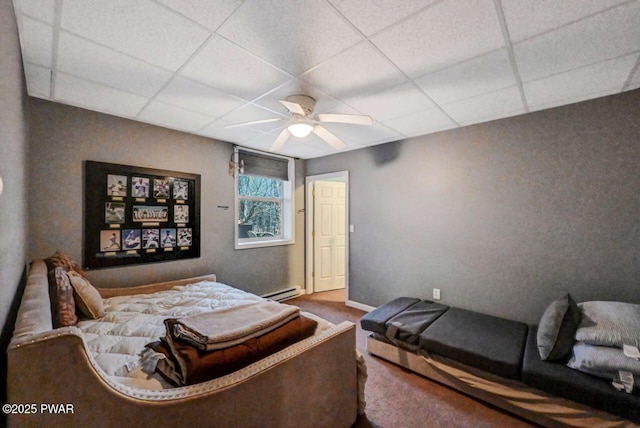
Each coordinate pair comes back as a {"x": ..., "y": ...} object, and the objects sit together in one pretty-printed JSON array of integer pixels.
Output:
[
  {"x": 603, "y": 361},
  {"x": 609, "y": 324}
]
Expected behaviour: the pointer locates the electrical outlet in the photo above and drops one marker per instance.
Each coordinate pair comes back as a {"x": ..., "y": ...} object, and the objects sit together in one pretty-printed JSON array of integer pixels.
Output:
[{"x": 436, "y": 294}]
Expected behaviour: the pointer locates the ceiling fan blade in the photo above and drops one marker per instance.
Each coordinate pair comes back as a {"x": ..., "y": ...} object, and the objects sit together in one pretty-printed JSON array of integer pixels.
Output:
[
  {"x": 353, "y": 119},
  {"x": 294, "y": 108},
  {"x": 277, "y": 145},
  {"x": 329, "y": 138},
  {"x": 253, "y": 122}
]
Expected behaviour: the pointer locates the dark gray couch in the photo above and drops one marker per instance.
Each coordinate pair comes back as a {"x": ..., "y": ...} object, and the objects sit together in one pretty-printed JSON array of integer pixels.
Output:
[{"x": 493, "y": 345}]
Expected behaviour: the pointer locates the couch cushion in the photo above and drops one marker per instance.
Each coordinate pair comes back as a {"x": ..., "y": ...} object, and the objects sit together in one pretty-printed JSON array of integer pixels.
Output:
[
  {"x": 560, "y": 380},
  {"x": 409, "y": 323},
  {"x": 376, "y": 320},
  {"x": 557, "y": 328},
  {"x": 489, "y": 343}
]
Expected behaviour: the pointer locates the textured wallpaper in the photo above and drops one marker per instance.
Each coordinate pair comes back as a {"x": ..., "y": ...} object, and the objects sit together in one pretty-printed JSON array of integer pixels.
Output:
[
  {"x": 63, "y": 137},
  {"x": 13, "y": 148},
  {"x": 503, "y": 217}
]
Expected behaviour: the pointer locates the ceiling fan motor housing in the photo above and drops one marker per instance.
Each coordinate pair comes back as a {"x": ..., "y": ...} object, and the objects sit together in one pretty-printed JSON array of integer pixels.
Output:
[{"x": 306, "y": 102}]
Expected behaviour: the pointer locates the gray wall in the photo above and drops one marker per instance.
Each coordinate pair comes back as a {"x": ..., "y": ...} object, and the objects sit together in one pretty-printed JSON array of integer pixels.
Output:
[
  {"x": 503, "y": 217},
  {"x": 13, "y": 146},
  {"x": 63, "y": 137},
  {"x": 13, "y": 201}
]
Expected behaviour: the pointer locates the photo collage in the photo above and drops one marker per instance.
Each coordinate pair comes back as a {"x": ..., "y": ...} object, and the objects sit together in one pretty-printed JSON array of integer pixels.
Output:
[{"x": 146, "y": 214}]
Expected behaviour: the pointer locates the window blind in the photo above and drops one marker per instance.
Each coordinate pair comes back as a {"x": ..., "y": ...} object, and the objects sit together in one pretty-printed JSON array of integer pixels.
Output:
[{"x": 264, "y": 165}]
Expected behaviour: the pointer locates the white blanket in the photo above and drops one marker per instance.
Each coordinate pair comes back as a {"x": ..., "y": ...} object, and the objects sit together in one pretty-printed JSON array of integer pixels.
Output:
[
  {"x": 225, "y": 327},
  {"x": 117, "y": 339}
]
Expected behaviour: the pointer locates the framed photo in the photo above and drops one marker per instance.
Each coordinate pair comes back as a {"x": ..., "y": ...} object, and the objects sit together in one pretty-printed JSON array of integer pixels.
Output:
[
  {"x": 150, "y": 238},
  {"x": 150, "y": 214},
  {"x": 180, "y": 190},
  {"x": 140, "y": 187},
  {"x": 136, "y": 215},
  {"x": 131, "y": 239},
  {"x": 181, "y": 213},
  {"x": 184, "y": 237},
  {"x": 161, "y": 188},
  {"x": 116, "y": 185},
  {"x": 109, "y": 240},
  {"x": 114, "y": 212},
  {"x": 168, "y": 238}
]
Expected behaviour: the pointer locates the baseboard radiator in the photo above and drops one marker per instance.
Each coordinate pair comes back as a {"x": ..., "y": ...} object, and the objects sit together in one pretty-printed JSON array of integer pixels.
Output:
[{"x": 287, "y": 293}]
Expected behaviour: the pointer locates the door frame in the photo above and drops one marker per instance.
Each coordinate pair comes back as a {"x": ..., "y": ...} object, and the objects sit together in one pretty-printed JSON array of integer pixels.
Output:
[{"x": 309, "y": 181}]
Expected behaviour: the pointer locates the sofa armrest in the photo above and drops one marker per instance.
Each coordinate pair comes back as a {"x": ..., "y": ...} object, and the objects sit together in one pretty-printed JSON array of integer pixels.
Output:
[{"x": 56, "y": 368}]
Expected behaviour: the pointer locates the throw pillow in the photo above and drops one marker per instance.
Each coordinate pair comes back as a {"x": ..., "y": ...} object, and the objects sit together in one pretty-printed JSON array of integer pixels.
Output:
[
  {"x": 63, "y": 307},
  {"x": 63, "y": 260},
  {"x": 609, "y": 324},
  {"x": 87, "y": 298},
  {"x": 603, "y": 361},
  {"x": 557, "y": 329}
]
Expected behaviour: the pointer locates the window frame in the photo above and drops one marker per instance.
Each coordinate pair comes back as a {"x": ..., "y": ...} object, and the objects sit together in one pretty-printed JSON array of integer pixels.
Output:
[{"x": 287, "y": 201}]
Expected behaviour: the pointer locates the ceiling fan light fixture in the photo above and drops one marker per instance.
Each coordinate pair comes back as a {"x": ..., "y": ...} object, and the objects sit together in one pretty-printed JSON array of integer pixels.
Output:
[{"x": 300, "y": 130}]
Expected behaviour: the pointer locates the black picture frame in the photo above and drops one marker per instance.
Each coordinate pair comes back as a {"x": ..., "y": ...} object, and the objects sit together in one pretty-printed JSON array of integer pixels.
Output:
[{"x": 110, "y": 241}]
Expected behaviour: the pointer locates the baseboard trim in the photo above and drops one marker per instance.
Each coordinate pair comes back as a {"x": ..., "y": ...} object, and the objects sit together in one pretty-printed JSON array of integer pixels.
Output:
[{"x": 358, "y": 305}]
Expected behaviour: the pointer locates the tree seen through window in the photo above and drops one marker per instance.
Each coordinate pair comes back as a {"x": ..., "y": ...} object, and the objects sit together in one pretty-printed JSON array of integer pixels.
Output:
[{"x": 260, "y": 206}]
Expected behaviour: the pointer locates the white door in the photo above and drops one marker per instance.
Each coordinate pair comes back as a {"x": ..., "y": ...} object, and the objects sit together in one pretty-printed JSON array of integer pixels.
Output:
[{"x": 329, "y": 267}]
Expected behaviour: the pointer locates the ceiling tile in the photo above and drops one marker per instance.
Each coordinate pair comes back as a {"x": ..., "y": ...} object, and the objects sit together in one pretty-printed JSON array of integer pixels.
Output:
[
  {"x": 477, "y": 76},
  {"x": 142, "y": 29},
  {"x": 362, "y": 135},
  {"x": 186, "y": 93},
  {"x": 293, "y": 35},
  {"x": 397, "y": 101},
  {"x": 309, "y": 147},
  {"x": 102, "y": 65},
  {"x": 445, "y": 34},
  {"x": 116, "y": 56},
  {"x": 422, "y": 122},
  {"x": 38, "y": 80},
  {"x": 93, "y": 96},
  {"x": 324, "y": 103},
  {"x": 224, "y": 66},
  {"x": 608, "y": 76},
  {"x": 526, "y": 18},
  {"x": 371, "y": 16},
  {"x": 261, "y": 142},
  {"x": 491, "y": 106},
  {"x": 39, "y": 9},
  {"x": 218, "y": 131},
  {"x": 173, "y": 117},
  {"x": 251, "y": 112},
  {"x": 357, "y": 71},
  {"x": 36, "y": 40},
  {"x": 203, "y": 11},
  {"x": 604, "y": 36}
]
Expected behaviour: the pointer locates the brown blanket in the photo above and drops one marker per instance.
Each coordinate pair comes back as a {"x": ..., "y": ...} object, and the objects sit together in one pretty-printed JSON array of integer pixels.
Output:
[
  {"x": 186, "y": 365},
  {"x": 229, "y": 326}
]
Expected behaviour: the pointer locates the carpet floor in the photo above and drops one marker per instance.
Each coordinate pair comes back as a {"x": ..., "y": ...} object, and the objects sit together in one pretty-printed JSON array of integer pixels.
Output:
[{"x": 397, "y": 397}]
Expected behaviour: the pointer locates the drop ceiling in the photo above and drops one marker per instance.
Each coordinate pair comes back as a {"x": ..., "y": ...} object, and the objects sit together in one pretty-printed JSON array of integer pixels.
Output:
[{"x": 416, "y": 67}]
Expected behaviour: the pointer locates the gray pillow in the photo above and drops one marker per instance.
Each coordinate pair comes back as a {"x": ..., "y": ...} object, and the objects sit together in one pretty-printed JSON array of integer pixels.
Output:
[
  {"x": 603, "y": 361},
  {"x": 609, "y": 324},
  {"x": 557, "y": 329}
]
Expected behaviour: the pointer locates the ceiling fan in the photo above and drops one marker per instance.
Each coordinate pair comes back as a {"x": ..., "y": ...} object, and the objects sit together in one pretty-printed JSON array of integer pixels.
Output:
[{"x": 302, "y": 123}]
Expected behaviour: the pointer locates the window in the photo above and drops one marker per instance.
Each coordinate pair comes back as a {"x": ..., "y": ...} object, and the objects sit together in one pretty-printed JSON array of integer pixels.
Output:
[{"x": 264, "y": 199}]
